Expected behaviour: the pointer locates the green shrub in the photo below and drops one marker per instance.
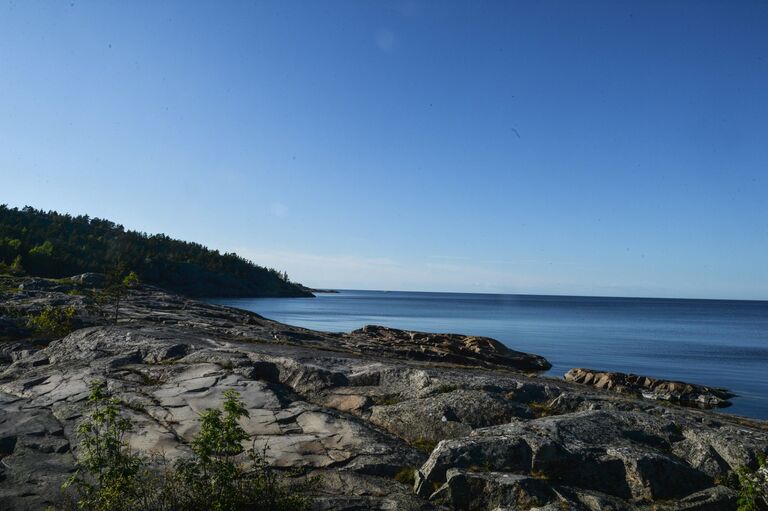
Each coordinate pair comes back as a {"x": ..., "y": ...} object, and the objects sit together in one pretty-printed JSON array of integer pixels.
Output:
[
  {"x": 16, "y": 267},
  {"x": 213, "y": 479},
  {"x": 45, "y": 249},
  {"x": 117, "y": 284},
  {"x": 108, "y": 476},
  {"x": 52, "y": 321},
  {"x": 112, "y": 478},
  {"x": 752, "y": 486}
]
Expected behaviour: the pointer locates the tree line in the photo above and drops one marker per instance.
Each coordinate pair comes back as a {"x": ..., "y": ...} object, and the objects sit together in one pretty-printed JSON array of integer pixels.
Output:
[{"x": 50, "y": 244}]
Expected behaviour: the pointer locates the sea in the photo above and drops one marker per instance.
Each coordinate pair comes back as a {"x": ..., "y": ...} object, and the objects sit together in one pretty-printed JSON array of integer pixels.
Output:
[{"x": 722, "y": 343}]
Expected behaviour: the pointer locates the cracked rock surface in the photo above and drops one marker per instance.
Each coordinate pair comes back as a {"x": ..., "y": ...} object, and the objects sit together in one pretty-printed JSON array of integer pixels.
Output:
[{"x": 356, "y": 410}]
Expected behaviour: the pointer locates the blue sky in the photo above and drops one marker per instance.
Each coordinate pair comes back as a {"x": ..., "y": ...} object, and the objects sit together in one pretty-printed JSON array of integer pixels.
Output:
[{"x": 606, "y": 148}]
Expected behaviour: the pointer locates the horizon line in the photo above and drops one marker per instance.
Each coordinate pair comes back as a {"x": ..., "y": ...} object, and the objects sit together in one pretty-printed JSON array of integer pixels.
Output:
[{"x": 338, "y": 289}]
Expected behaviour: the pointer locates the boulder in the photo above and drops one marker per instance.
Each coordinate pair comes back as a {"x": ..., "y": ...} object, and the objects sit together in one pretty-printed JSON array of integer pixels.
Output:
[
  {"x": 89, "y": 279},
  {"x": 452, "y": 414},
  {"x": 622, "y": 455},
  {"x": 35, "y": 457}
]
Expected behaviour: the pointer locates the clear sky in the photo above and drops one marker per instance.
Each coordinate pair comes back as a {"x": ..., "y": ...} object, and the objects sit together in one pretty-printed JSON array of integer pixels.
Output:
[{"x": 606, "y": 148}]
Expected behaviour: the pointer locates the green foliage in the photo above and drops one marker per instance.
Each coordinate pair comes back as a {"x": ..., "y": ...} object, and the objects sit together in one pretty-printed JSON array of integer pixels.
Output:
[
  {"x": 213, "y": 477},
  {"x": 52, "y": 321},
  {"x": 752, "y": 486},
  {"x": 117, "y": 284},
  {"x": 10, "y": 256},
  {"x": 212, "y": 473},
  {"x": 16, "y": 267},
  {"x": 131, "y": 280},
  {"x": 45, "y": 249},
  {"x": 56, "y": 245},
  {"x": 108, "y": 476},
  {"x": 216, "y": 477}
]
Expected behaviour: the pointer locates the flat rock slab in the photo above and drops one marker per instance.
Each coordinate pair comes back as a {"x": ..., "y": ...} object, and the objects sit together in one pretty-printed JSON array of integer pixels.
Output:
[{"x": 35, "y": 457}]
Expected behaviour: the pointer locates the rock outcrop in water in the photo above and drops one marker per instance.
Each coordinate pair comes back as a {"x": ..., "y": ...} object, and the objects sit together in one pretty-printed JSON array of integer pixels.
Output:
[
  {"x": 652, "y": 388},
  {"x": 453, "y": 348},
  {"x": 356, "y": 410}
]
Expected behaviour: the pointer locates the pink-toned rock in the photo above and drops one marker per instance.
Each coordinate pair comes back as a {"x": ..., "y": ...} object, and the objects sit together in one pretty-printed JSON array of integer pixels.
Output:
[
  {"x": 651, "y": 388},
  {"x": 458, "y": 349}
]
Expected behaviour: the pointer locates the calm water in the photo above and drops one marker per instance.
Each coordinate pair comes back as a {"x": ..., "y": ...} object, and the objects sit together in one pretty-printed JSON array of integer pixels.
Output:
[{"x": 713, "y": 342}]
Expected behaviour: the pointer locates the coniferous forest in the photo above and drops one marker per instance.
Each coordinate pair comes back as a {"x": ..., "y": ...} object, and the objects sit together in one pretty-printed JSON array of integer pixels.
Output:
[{"x": 50, "y": 244}]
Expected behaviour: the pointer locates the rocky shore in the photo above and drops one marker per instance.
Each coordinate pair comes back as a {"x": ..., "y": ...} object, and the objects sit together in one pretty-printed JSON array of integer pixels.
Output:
[
  {"x": 386, "y": 419},
  {"x": 652, "y": 388}
]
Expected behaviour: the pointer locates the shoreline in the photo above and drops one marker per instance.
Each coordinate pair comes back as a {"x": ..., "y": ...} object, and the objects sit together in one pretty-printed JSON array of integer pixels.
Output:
[
  {"x": 383, "y": 418},
  {"x": 692, "y": 342}
]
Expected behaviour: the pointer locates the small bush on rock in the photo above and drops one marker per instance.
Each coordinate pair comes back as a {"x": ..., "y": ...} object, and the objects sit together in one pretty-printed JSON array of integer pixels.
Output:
[
  {"x": 213, "y": 479},
  {"x": 118, "y": 282},
  {"x": 108, "y": 475},
  {"x": 752, "y": 486},
  {"x": 111, "y": 477},
  {"x": 52, "y": 321}
]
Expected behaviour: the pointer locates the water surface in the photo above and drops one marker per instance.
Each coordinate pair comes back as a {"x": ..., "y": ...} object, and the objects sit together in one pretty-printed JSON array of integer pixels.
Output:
[{"x": 713, "y": 342}]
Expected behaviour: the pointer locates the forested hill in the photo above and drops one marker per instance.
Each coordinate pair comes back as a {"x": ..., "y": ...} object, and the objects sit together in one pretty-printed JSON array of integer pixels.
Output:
[{"x": 49, "y": 244}]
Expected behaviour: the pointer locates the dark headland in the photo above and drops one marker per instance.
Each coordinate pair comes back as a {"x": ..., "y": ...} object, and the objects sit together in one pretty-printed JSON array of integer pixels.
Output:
[{"x": 54, "y": 245}]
